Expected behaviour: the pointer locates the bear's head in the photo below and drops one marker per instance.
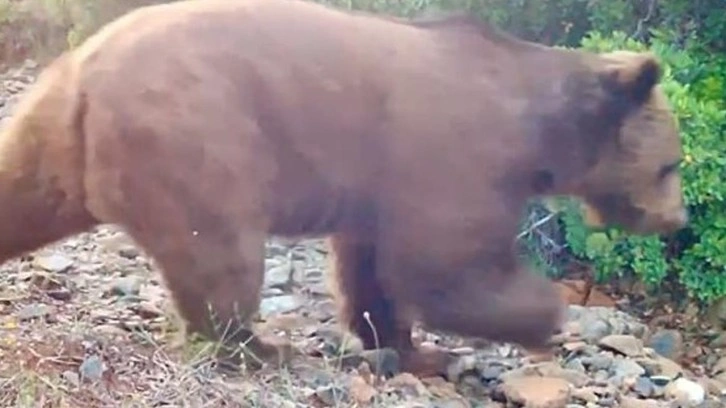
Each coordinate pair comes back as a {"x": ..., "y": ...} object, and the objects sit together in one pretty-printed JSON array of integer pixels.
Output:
[{"x": 625, "y": 148}]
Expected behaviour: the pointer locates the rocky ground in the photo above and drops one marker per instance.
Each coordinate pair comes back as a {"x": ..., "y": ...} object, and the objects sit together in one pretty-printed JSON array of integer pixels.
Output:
[{"x": 87, "y": 323}]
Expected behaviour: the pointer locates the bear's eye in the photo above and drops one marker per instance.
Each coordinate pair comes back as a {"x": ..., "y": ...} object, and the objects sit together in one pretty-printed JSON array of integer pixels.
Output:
[{"x": 667, "y": 169}]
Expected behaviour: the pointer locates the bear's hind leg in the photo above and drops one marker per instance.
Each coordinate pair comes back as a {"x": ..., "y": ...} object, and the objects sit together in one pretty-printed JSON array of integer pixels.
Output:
[{"x": 215, "y": 280}]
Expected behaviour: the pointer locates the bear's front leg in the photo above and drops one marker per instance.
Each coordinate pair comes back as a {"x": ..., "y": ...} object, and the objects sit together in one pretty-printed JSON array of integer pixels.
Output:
[{"x": 492, "y": 298}]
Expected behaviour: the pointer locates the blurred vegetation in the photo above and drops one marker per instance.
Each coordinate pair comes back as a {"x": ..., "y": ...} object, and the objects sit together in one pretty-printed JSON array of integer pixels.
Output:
[{"x": 689, "y": 36}]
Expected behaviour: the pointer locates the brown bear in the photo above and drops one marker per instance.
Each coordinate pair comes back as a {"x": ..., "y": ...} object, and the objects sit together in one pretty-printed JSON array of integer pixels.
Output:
[{"x": 203, "y": 127}]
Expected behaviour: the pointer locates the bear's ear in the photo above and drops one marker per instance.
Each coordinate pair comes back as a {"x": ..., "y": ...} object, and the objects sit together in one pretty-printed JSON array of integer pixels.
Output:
[{"x": 631, "y": 75}]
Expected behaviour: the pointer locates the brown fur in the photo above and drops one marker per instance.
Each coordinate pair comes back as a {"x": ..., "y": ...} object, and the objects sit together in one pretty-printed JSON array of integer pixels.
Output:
[{"x": 202, "y": 127}]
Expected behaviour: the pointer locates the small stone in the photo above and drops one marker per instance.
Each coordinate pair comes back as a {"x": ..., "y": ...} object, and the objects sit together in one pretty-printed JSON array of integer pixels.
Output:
[
  {"x": 598, "y": 362},
  {"x": 575, "y": 312},
  {"x": 601, "y": 376},
  {"x": 279, "y": 304},
  {"x": 719, "y": 367},
  {"x": 660, "y": 366},
  {"x": 91, "y": 368},
  {"x": 624, "y": 344},
  {"x": 126, "y": 286},
  {"x": 625, "y": 368},
  {"x": 586, "y": 395},
  {"x": 714, "y": 386},
  {"x": 644, "y": 387},
  {"x": 454, "y": 403},
  {"x": 536, "y": 392},
  {"x": 637, "y": 329},
  {"x": 630, "y": 402},
  {"x": 686, "y": 391},
  {"x": 667, "y": 343},
  {"x": 335, "y": 342},
  {"x": 574, "y": 377},
  {"x": 148, "y": 310},
  {"x": 63, "y": 294},
  {"x": 279, "y": 276},
  {"x": 574, "y": 346},
  {"x": 72, "y": 378},
  {"x": 596, "y": 330},
  {"x": 109, "y": 330},
  {"x": 53, "y": 263},
  {"x": 129, "y": 252},
  {"x": 329, "y": 395},
  {"x": 573, "y": 328},
  {"x": 33, "y": 311},
  {"x": 408, "y": 385},
  {"x": 462, "y": 366},
  {"x": 491, "y": 372},
  {"x": 361, "y": 391},
  {"x": 383, "y": 362},
  {"x": 575, "y": 365},
  {"x": 719, "y": 341},
  {"x": 660, "y": 380}
]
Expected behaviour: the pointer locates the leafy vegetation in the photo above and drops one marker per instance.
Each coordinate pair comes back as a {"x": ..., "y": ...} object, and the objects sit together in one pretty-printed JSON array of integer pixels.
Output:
[{"x": 689, "y": 36}]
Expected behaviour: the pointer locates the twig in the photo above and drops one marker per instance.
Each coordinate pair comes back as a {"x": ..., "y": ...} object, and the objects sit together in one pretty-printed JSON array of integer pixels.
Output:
[{"x": 536, "y": 225}]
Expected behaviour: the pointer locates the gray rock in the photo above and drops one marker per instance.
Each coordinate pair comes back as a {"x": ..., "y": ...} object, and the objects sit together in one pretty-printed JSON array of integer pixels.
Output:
[
  {"x": 686, "y": 392},
  {"x": 594, "y": 330},
  {"x": 53, "y": 263},
  {"x": 91, "y": 368},
  {"x": 719, "y": 341},
  {"x": 491, "y": 372},
  {"x": 626, "y": 368},
  {"x": 719, "y": 366},
  {"x": 575, "y": 365},
  {"x": 279, "y": 276},
  {"x": 279, "y": 304},
  {"x": 601, "y": 376},
  {"x": 462, "y": 366},
  {"x": 637, "y": 329},
  {"x": 126, "y": 286},
  {"x": 644, "y": 387},
  {"x": 586, "y": 395},
  {"x": 598, "y": 362},
  {"x": 575, "y": 312},
  {"x": 331, "y": 395},
  {"x": 660, "y": 366},
  {"x": 631, "y": 402},
  {"x": 72, "y": 378},
  {"x": 667, "y": 343},
  {"x": 314, "y": 275},
  {"x": 624, "y": 344},
  {"x": 33, "y": 311}
]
